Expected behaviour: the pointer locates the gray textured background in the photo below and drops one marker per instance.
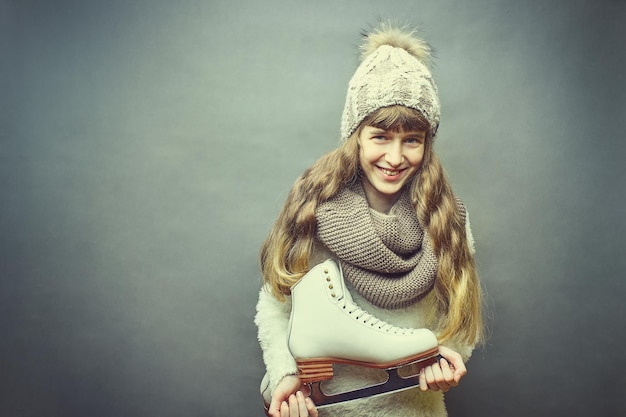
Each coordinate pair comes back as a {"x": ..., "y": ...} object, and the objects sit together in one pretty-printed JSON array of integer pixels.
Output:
[{"x": 146, "y": 148}]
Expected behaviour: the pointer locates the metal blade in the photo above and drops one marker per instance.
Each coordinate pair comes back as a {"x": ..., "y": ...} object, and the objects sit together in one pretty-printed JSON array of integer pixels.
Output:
[{"x": 394, "y": 383}]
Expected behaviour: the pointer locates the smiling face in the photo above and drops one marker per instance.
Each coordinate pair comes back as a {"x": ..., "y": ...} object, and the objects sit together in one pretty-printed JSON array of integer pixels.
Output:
[{"x": 389, "y": 159}]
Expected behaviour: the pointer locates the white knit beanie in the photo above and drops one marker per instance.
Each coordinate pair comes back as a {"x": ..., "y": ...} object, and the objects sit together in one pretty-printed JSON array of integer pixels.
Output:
[{"x": 393, "y": 71}]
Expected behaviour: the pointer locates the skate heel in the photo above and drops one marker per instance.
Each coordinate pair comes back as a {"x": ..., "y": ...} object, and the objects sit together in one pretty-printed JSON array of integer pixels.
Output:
[{"x": 314, "y": 370}]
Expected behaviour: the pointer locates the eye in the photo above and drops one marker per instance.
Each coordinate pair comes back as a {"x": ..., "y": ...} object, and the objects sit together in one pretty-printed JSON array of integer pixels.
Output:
[
  {"x": 414, "y": 140},
  {"x": 379, "y": 138}
]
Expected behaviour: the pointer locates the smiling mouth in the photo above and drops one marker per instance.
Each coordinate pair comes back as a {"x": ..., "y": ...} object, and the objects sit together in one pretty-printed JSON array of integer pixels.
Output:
[{"x": 390, "y": 172}]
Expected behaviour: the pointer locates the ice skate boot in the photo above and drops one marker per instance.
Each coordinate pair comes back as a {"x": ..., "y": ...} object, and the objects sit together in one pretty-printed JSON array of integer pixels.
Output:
[{"x": 326, "y": 327}]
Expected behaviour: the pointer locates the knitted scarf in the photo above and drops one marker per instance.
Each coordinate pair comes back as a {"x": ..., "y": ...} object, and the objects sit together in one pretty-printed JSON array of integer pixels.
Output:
[{"x": 388, "y": 258}]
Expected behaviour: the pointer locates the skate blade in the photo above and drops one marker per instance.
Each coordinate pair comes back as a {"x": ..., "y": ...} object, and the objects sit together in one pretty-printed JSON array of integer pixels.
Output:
[{"x": 394, "y": 383}]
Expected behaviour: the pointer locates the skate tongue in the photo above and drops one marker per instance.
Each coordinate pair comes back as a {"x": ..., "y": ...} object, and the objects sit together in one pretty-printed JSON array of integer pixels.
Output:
[{"x": 345, "y": 294}]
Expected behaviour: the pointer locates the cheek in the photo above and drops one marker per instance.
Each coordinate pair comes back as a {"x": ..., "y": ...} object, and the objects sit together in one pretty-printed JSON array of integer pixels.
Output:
[
  {"x": 415, "y": 158},
  {"x": 369, "y": 155}
]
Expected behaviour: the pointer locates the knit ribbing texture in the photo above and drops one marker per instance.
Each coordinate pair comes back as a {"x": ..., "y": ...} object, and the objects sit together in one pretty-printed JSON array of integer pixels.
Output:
[
  {"x": 388, "y": 258},
  {"x": 390, "y": 76}
]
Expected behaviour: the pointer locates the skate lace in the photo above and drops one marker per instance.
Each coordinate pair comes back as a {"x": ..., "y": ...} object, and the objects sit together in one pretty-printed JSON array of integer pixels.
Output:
[{"x": 363, "y": 316}]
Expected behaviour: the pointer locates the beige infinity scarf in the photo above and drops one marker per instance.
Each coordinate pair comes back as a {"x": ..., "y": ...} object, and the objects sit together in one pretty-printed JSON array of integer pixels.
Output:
[{"x": 387, "y": 258}]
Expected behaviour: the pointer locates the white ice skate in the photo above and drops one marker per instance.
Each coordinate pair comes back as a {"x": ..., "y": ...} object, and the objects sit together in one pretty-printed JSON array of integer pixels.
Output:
[{"x": 326, "y": 327}]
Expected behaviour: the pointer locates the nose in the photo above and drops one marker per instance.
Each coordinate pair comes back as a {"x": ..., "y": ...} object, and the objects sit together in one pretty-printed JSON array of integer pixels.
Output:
[{"x": 394, "y": 156}]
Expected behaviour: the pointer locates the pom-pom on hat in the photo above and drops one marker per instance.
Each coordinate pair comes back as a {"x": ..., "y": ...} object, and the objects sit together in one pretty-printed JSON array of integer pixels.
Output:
[{"x": 394, "y": 70}]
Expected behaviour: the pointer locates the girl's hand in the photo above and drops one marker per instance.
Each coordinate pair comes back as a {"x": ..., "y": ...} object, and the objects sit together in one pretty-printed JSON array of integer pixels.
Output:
[
  {"x": 290, "y": 399},
  {"x": 445, "y": 374},
  {"x": 298, "y": 406}
]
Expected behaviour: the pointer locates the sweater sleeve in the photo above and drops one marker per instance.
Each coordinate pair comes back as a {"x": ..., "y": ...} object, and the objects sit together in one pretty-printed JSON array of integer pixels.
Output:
[{"x": 272, "y": 320}]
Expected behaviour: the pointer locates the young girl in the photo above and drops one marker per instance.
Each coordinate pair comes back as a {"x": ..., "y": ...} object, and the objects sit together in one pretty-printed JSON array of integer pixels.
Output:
[{"x": 381, "y": 206}]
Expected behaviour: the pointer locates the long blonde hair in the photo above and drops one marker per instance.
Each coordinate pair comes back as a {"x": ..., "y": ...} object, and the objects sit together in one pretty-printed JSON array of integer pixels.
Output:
[{"x": 285, "y": 253}]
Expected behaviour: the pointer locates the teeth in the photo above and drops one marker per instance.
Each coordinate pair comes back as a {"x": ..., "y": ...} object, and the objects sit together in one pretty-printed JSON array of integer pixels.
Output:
[{"x": 389, "y": 172}]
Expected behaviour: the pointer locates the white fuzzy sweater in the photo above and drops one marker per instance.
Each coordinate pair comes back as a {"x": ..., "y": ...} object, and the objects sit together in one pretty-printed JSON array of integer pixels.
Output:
[{"x": 272, "y": 320}]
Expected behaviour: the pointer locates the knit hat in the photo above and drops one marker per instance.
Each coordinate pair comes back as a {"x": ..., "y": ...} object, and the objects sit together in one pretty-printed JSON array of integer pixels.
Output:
[{"x": 393, "y": 71}]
